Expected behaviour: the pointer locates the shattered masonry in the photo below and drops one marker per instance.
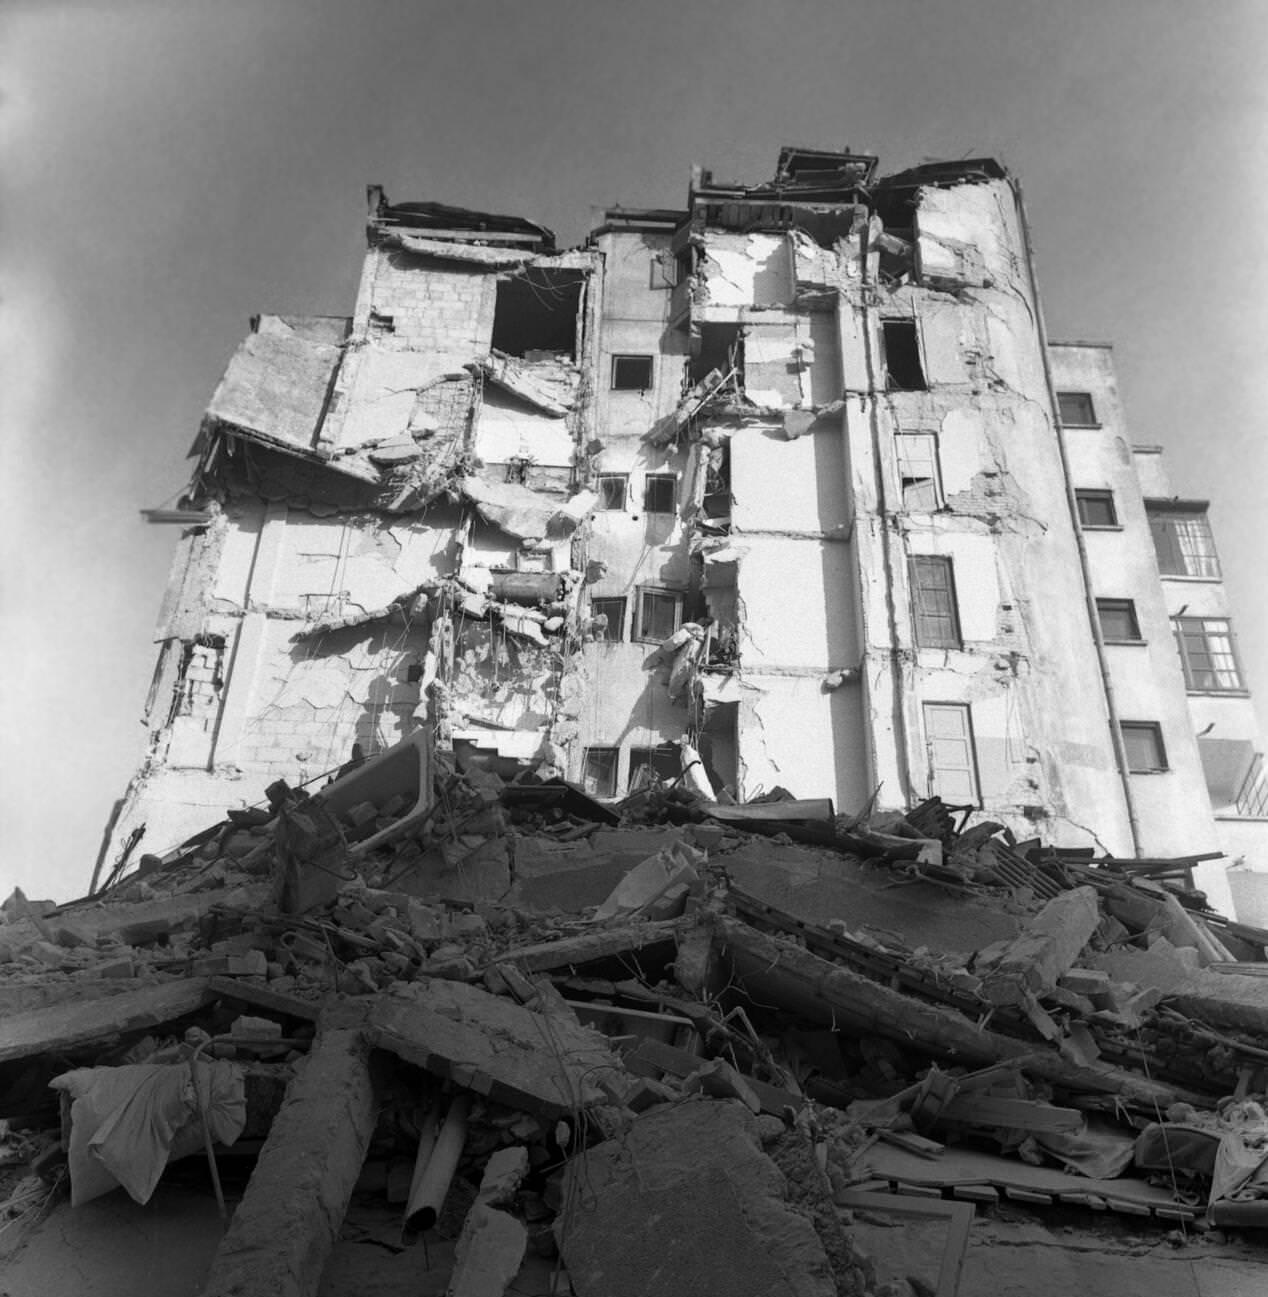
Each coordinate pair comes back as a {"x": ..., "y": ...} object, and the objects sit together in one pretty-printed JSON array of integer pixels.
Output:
[{"x": 661, "y": 753}]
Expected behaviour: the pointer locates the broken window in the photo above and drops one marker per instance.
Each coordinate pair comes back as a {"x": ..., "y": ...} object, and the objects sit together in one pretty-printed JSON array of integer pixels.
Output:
[
  {"x": 1118, "y": 621},
  {"x": 659, "y": 614},
  {"x": 1096, "y": 508},
  {"x": 664, "y": 762},
  {"x": 660, "y": 492},
  {"x": 721, "y": 348},
  {"x": 903, "y": 370},
  {"x": 918, "y": 471},
  {"x": 1076, "y": 410},
  {"x": 1183, "y": 541},
  {"x": 613, "y": 488},
  {"x": 631, "y": 373},
  {"x": 717, "y": 482},
  {"x": 937, "y": 623},
  {"x": 598, "y": 774},
  {"x": 537, "y": 310},
  {"x": 613, "y": 612},
  {"x": 1207, "y": 655},
  {"x": 1252, "y": 797},
  {"x": 1143, "y": 741},
  {"x": 951, "y": 752}
]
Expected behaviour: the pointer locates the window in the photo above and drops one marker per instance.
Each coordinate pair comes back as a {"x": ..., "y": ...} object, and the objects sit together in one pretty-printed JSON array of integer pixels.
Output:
[
  {"x": 613, "y": 488},
  {"x": 903, "y": 371},
  {"x": 933, "y": 602},
  {"x": 665, "y": 762},
  {"x": 1118, "y": 621},
  {"x": 918, "y": 471},
  {"x": 631, "y": 373},
  {"x": 659, "y": 614},
  {"x": 1096, "y": 508},
  {"x": 952, "y": 759},
  {"x": 660, "y": 493},
  {"x": 1076, "y": 410},
  {"x": 1183, "y": 541},
  {"x": 1252, "y": 797},
  {"x": 537, "y": 310},
  {"x": 614, "y": 611},
  {"x": 1143, "y": 741},
  {"x": 1206, "y": 653},
  {"x": 598, "y": 773}
]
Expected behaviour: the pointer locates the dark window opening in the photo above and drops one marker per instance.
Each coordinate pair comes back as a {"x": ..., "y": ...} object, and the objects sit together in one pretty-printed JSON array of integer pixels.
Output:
[
  {"x": 1207, "y": 654},
  {"x": 721, "y": 348},
  {"x": 612, "y": 611},
  {"x": 717, "y": 482},
  {"x": 1076, "y": 410},
  {"x": 937, "y": 622},
  {"x": 664, "y": 763},
  {"x": 660, "y": 493},
  {"x": 659, "y": 613},
  {"x": 1143, "y": 741},
  {"x": 537, "y": 311},
  {"x": 1118, "y": 620},
  {"x": 631, "y": 373},
  {"x": 380, "y": 325},
  {"x": 1183, "y": 542},
  {"x": 1096, "y": 508},
  {"x": 903, "y": 371},
  {"x": 613, "y": 489},
  {"x": 684, "y": 265},
  {"x": 598, "y": 773}
]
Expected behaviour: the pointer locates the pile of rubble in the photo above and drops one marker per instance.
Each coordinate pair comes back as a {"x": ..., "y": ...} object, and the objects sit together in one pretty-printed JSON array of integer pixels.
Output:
[{"x": 669, "y": 1046}]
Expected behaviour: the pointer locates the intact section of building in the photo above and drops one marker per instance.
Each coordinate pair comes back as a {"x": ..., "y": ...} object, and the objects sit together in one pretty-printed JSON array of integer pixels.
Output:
[{"x": 783, "y": 490}]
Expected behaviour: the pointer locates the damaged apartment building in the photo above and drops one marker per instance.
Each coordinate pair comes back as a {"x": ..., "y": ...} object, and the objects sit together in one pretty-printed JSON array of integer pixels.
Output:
[{"x": 783, "y": 492}]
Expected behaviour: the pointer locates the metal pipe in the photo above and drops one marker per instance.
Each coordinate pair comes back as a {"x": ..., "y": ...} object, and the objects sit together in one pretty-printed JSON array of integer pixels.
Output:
[
  {"x": 427, "y": 1195},
  {"x": 426, "y": 1146},
  {"x": 1089, "y": 598}
]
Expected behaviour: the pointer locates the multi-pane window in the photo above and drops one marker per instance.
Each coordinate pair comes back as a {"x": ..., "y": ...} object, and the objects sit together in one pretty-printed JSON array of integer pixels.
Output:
[
  {"x": 1143, "y": 741},
  {"x": 937, "y": 622},
  {"x": 1076, "y": 410},
  {"x": 1207, "y": 654},
  {"x": 659, "y": 614},
  {"x": 613, "y": 488},
  {"x": 1183, "y": 541},
  {"x": 660, "y": 491},
  {"x": 952, "y": 758},
  {"x": 613, "y": 612},
  {"x": 1118, "y": 621},
  {"x": 1096, "y": 508},
  {"x": 664, "y": 762},
  {"x": 1252, "y": 797},
  {"x": 598, "y": 772},
  {"x": 903, "y": 370},
  {"x": 918, "y": 471},
  {"x": 631, "y": 373}
]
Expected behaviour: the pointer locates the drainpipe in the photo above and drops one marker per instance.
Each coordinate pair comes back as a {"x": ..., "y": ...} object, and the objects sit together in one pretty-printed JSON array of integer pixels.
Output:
[
  {"x": 1107, "y": 684},
  {"x": 895, "y": 663}
]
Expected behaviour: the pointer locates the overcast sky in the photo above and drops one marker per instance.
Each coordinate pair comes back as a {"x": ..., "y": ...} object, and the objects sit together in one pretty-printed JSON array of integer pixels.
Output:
[{"x": 170, "y": 169}]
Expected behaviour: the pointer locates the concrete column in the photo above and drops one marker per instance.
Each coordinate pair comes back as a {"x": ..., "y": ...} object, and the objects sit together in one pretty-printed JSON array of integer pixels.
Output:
[{"x": 284, "y": 1228}]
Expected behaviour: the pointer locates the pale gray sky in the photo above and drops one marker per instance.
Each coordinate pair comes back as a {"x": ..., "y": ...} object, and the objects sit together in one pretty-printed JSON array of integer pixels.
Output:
[{"x": 170, "y": 169}]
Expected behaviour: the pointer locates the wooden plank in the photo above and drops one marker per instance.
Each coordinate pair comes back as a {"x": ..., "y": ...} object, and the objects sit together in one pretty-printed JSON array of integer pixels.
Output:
[{"x": 1010, "y": 1114}]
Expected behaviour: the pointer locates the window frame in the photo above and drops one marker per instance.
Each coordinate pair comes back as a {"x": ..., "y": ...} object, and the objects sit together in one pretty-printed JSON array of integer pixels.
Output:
[
  {"x": 1154, "y": 730},
  {"x": 656, "y": 591},
  {"x": 659, "y": 480},
  {"x": 619, "y": 622},
  {"x": 926, "y": 634},
  {"x": 974, "y": 766},
  {"x": 1184, "y": 628},
  {"x": 1167, "y": 519},
  {"x": 1091, "y": 422},
  {"x": 887, "y": 349},
  {"x": 1119, "y": 605},
  {"x": 1096, "y": 495},
  {"x": 649, "y": 763},
  {"x": 626, "y": 356},
  {"x": 604, "y": 506},
  {"x": 903, "y": 441},
  {"x": 613, "y": 773}
]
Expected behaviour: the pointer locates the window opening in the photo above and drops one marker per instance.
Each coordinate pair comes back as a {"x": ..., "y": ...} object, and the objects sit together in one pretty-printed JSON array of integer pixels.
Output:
[
  {"x": 1096, "y": 508},
  {"x": 1076, "y": 410},
  {"x": 903, "y": 371},
  {"x": 663, "y": 762},
  {"x": 721, "y": 348},
  {"x": 717, "y": 482},
  {"x": 1183, "y": 542},
  {"x": 1143, "y": 741},
  {"x": 659, "y": 614},
  {"x": 1118, "y": 621},
  {"x": 613, "y": 612},
  {"x": 952, "y": 755},
  {"x": 1207, "y": 654},
  {"x": 613, "y": 489},
  {"x": 918, "y": 471},
  {"x": 598, "y": 774},
  {"x": 631, "y": 373},
  {"x": 537, "y": 310},
  {"x": 937, "y": 622},
  {"x": 660, "y": 492}
]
